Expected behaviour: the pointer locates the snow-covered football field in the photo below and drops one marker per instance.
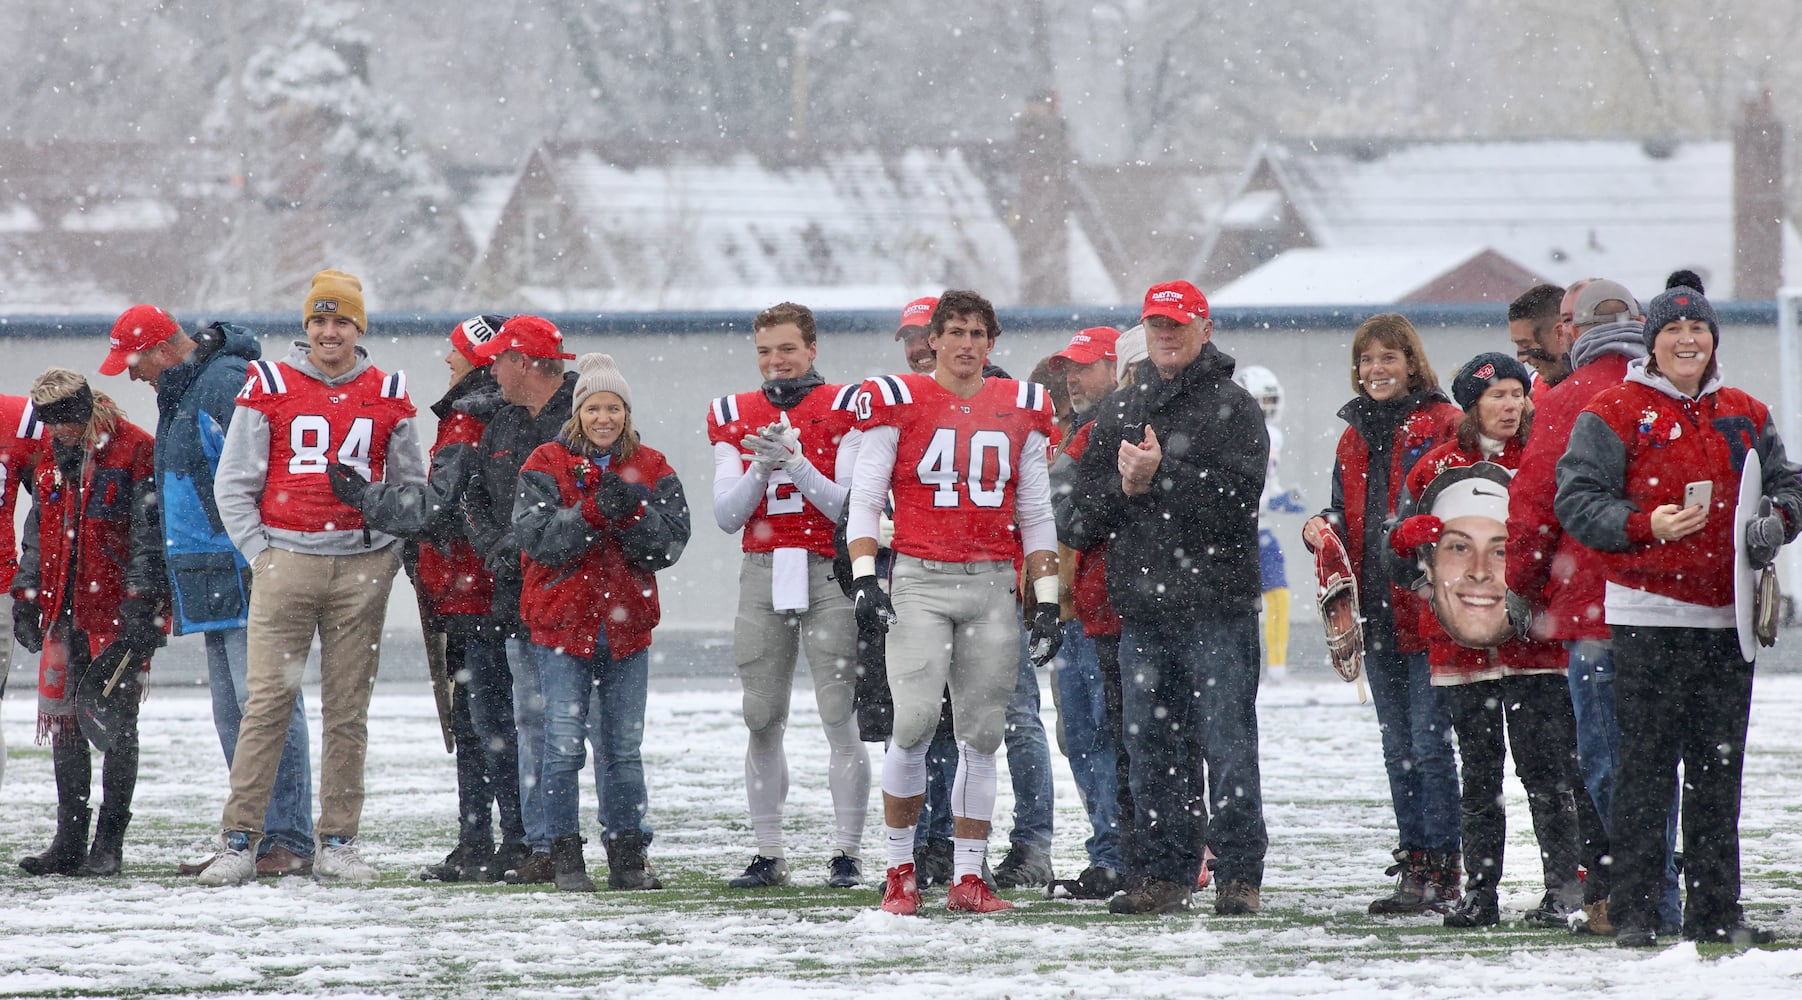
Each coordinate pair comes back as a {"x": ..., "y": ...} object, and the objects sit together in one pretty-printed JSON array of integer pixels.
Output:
[{"x": 154, "y": 933}]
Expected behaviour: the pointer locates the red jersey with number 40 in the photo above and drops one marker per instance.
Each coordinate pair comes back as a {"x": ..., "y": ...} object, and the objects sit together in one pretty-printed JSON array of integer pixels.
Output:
[
  {"x": 785, "y": 519},
  {"x": 956, "y": 461},
  {"x": 312, "y": 425}
]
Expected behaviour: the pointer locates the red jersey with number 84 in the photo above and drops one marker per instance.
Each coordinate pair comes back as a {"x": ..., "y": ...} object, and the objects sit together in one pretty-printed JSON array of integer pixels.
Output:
[
  {"x": 956, "y": 461},
  {"x": 312, "y": 425}
]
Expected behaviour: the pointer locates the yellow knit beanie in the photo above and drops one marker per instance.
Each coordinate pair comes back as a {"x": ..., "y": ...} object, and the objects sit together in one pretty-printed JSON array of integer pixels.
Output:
[{"x": 335, "y": 293}]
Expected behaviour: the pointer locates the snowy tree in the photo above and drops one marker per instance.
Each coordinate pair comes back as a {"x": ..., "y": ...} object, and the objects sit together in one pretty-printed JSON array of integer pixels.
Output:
[{"x": 329, "y": 174}]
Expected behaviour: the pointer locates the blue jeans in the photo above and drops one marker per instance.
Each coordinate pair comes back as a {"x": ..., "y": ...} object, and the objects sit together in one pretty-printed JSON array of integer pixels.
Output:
[
  {"x": 1028, "y": 759},
  {"x": 1416, "y": 727},
  {"x": 1599, "y": 753},
  {"x": 1089, "y": 743},
  {"x": 1186, "y": 682},
  {"x": 616, "y": 689},
  {"x": 289, "y": 818}
]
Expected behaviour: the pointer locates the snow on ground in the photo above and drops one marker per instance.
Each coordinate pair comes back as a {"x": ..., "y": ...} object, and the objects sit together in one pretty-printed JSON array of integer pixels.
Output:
[{"x": 1326, "y": 804}]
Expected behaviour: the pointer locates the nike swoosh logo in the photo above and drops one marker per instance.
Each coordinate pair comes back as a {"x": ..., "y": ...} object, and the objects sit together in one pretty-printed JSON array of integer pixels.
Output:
[{"x": 1478, "y": 490}]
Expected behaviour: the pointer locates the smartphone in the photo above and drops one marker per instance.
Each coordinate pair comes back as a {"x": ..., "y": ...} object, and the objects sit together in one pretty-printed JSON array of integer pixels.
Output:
[{"x": 1698, "y": 493}]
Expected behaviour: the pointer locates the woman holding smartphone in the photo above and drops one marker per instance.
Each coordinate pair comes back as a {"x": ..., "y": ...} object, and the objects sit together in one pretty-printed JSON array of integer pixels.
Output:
[
  {"x": 597, "y": 515},
  {"x": 1682, "y": 689}
]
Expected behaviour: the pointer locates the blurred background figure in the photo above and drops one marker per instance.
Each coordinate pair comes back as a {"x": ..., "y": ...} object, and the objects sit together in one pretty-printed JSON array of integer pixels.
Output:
[{"x": 1273, "y": 572}]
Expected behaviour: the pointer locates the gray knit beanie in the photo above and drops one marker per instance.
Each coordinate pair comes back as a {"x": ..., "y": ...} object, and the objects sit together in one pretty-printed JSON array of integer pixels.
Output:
[
  {"x": 1681, "y": 302},
  {"x": 599, "y": 374}
]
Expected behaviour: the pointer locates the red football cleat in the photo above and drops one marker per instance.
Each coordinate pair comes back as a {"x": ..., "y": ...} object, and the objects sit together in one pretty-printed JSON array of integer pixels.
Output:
[
  {"x": 971, "y": 894},
  {"x": 901, "y": 894}
]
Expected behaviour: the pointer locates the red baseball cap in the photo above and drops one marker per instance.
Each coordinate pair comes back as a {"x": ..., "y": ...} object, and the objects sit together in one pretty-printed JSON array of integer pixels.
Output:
[
  {"x": 916, "y": 313},
  {"x": 1177, "y": 300},
  {"x": 137, "y": 330},
  {"x": 1091, "y": 345},
  {"x": 532, "y": 336}
]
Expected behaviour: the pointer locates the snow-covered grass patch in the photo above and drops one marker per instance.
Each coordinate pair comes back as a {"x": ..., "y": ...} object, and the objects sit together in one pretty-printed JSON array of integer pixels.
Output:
[{"x": 153, "y": 932}]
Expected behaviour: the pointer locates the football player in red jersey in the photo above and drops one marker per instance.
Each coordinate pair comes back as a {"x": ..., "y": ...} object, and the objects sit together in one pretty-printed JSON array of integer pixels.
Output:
[
  {"x": 21, "y": 439},
  {"x": 316, "y": 567},
  {"x": 787, "y": 500},
  {"x": 966, "y": 456}
]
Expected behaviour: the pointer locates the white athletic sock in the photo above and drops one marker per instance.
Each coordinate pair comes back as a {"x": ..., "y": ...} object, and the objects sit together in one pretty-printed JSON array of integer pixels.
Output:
[
  {"x": 766, "y": 788},
  {"x": 900, "y": 842},
  {"x": 969, "y": 856},
  {"x": 848, "y": 777},
  {"x": 973, "y": 790}
]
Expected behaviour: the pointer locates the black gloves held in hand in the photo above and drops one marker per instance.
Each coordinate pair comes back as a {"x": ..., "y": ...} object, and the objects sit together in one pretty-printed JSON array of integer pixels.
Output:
[
  {"x": 26, "y": 628},
  {"x": 875, "y": 613},
  {"x": 1764, "y": 536},
  {"x": 615, "y": 497},
  {"x": 1047, "y": 634},
  {"x": 348, "y": 485},
  {"x": 138, "y": 627}
]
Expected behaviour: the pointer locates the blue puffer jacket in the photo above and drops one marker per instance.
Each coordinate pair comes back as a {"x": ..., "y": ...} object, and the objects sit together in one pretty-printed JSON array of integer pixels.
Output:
[{"x": 209, "y": 581}]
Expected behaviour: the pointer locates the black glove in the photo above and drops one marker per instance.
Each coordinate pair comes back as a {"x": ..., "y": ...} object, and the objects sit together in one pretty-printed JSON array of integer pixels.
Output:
[
  {"x": 1764, "y": 536},
  {"x": 348, "y": 485},
  {"x": 26, "y": 628},
  {"x": 875, "y": 613},
  {"x": 1047, "y": 634},
  {"x": 615, "y": 497},
  {"x": 1520, "y": 614},
  {"x": 138, "y": 627}
]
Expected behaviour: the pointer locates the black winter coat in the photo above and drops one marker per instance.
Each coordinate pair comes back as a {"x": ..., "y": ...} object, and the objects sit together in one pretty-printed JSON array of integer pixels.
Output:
[
  {"x": 1189, "y": 547},
  {"x": 510, "y": 438}
]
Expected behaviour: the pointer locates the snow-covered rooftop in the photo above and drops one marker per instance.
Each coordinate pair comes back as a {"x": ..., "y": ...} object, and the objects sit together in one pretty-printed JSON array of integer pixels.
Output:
[
  {"x": 1624, "y": 209},
  {"x": 1311, "y": 276}
]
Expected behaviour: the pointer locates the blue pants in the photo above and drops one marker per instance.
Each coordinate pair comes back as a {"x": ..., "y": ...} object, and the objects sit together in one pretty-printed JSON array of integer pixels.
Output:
[
  {"x": 1089, "y": 743},
  {"x": 1599, "y": 754},
  {"x": 617, "y": 690},
  {"x": 1186, "y": 682},
  {"x": 289, "y": 818},
  {"x": 1416, "y": 728}
]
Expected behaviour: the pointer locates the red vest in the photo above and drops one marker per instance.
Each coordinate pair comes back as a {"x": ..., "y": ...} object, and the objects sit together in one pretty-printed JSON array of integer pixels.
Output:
[
  {"x": 89, "y": 523},
  {"x": 311, "y": 425},
  {"x": 784, "y": 519},
  {"x": 456, "y": 581}
]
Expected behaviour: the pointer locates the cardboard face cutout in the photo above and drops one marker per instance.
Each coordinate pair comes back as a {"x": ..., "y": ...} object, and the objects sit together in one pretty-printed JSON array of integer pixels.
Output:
[{"x": 1466, "y": 569}]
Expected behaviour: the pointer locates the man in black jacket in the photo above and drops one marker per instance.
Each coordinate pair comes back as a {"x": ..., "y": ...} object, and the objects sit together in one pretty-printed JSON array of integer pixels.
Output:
[
  {"x": 1172, "y": 477},
  {"x": 526, "y": 358}
]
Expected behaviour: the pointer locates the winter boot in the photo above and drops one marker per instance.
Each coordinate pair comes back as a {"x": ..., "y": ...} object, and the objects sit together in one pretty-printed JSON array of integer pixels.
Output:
[
  {"x": 572, "y": 870},
  {"x": 1445, "y": 874},
  {"x": 105, "y": 856},
  {"x": 67, "y": 848},
  {"x": 1552, "y": 912},
  {"x": 510, "y": 856},
  {"x": 1024, "y": 867},
  {"x": 1145, "y": 895},
  {"x": 1413, "y": 890},
  {"x": 933, "y": 862},
  {"x": 1478, "y": 908},
  {"x": 627, "y": 866},
  {"x": 1095, "y": 882}
]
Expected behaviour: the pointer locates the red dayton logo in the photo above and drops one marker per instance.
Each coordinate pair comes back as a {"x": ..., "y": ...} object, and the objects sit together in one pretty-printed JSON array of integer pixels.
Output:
[
  {"x": 325, "y": 305},
  {"x": 1486, "y": 372},
  {"x": 1682, "y": 300}
]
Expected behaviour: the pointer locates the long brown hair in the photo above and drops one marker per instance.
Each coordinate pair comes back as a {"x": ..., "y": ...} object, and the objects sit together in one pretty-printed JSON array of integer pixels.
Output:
[
  {"x": 1392, "y": 330},
  {"x": 1469, "y": 429},
  {"x": 577, "y": 441}
]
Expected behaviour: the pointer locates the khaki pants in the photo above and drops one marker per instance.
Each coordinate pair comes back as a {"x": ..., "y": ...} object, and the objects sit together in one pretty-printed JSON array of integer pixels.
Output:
[{"x": 344, "y": 600}]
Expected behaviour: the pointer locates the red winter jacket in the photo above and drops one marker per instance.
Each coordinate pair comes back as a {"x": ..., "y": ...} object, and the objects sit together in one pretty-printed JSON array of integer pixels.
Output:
[
  {"x": 1545, "y": 564},
  {"x": 1452, "y": 663},
  {"x": 21, "y": 441},
  {"x": 1089, "y": 589},
  {"x": 455, "y": 579},
  {"x": 107, "y": 523},
  {"x": 1432, "y": 422},
  {"x": 1634, "y": 448},
  {"x": 583, "y": 570}
]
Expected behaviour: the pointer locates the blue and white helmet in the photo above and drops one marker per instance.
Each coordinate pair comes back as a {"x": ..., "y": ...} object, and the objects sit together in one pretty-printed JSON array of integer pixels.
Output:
[{"x": 1262, "y": 384}]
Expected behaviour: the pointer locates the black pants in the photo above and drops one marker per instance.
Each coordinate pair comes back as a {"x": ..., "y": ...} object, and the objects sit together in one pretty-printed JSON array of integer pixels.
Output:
[
  {"x": 70, "y": 759},
  {"x": 1536, "y": 711},
  {"x": 488, "y": 746},
  {"x": 1679, "y": 694}
]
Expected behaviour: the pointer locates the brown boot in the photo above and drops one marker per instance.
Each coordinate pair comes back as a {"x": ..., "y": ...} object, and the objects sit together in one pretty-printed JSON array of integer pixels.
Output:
[
  {"x": 537, "y": 870},
  {"x": 627, "y": 866},
  {"x": 571, "y": 871},
  {"x": 1595, "y": 920}
]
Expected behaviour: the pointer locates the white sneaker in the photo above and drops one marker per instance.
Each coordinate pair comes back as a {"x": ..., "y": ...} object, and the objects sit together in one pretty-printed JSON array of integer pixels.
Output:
[
  {"x": 340, "y": 862},
  {"x": 230, "y": 867},
  {"x": 1278, "y": 672}
]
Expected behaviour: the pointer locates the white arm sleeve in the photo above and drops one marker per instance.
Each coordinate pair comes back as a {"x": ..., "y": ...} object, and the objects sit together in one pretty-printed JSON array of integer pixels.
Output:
[
  {"x": 870, "y": 481},
  {"x": 1032, "y": 497},
  {"x": 828, "y": 495},
  {"x": 736, "y": 491}
]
